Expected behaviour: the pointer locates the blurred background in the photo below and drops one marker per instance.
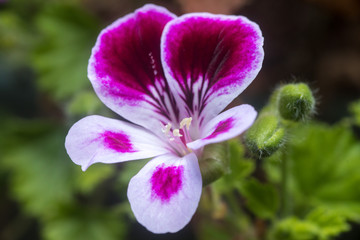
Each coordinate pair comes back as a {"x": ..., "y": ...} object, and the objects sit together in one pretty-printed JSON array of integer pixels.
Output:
[{"x": 44, "y": 49}]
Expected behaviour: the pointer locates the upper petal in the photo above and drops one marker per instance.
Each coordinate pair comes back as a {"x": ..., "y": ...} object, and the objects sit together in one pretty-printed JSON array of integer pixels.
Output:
[
  {"x": 226, "y": 125},
  {"x": 210, "y": 59},
  {"x": 125, "y": 67},
  {"x": 165, "y": 193},
  {"x": 98, "y": 139}
]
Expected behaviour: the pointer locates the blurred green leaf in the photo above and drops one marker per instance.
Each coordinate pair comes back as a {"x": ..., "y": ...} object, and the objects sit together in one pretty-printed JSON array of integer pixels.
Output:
[
  {"x": 320, "y": 224},
  {"x": 330, "y": 222},
  {"x": 85, "y": 182},
  {"x": 15, "y": 38},
  {"x": 324, "y": 163},
  {"x": 85, "y": 223},
  {"x": 84, "y": 103},
  {"x": 43, "y": 178},
  {"x": 40, "y": 173},
  {"x": 210, "y": 229},
  {"x": 240, "y": 168},
  {"x": 128, "y": 170},
  {"x": 355, "y": 110},
  {"x": 62, "y": 56},
  {"x": 295, "y": 229},
  {"x": 261, "y": 198}
]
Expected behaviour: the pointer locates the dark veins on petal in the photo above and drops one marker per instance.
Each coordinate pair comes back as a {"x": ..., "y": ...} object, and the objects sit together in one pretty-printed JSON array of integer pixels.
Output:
[
  {"x": 129, "y": 62},
  {"x": 219, "y": 53}
]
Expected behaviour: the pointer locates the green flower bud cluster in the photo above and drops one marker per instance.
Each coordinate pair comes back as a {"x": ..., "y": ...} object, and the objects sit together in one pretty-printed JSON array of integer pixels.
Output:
[{"x": 291, "y": 102}]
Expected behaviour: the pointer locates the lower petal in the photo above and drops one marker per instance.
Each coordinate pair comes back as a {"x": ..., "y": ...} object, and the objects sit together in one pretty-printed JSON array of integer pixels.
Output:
[
  {"x": 226, "y": 125},
  {"x": 98, "y": 139},
  {"x": 165, "y": 193}
]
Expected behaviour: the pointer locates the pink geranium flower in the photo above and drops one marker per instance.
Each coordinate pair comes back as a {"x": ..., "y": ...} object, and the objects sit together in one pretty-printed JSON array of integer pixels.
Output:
[{"x": 171, "y": 77}]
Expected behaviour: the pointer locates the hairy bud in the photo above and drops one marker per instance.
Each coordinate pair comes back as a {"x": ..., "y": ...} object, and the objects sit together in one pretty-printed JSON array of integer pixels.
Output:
[
  {"x": 265, "y": 136},
  {"x": 295, "y": 102}
]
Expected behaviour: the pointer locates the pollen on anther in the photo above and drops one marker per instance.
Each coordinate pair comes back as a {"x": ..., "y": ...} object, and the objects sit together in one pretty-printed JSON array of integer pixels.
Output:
[
  {"x": 177, "y": 133},
  {"x": 166, "y": 128},
  {"x": 187, "y": 122}
]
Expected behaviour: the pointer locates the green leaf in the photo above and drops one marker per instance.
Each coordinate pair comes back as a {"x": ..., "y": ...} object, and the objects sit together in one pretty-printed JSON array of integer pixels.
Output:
[
  {"x": 355, "y": 110},
  {"x": 262, "y": 199},
  {"x": 85, "y": 223},
  {"x": 331, "y": 223},
  {"x": 62, "y": 56},
  {"x": 320, "y": 224},
  {"x": 209, "y": 229},
  {"x": 40, "y": 172},
  {"x": 128, "y": 170},
  {"x": 324, "y": 163},
  {"x": 240, "y": 168},
  {"x": 86, "y": 182},
  {"x": 84, "y": 103},
  {"x": 15, "y": 38}
]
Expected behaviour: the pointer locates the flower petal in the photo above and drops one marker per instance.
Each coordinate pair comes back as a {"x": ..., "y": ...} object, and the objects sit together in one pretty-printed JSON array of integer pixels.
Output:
[
  {"x": 165, "y": 193},
  {"x": 125, "y": 68},
  {"x": 226, "y": 125},
  {"x": 98, "y": 139},
  {"x": 210, "y": 59}
]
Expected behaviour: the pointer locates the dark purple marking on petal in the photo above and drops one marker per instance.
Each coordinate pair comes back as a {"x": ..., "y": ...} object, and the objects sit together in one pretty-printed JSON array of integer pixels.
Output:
[
  {"x": 223, "y": 126},
  {"x": 166, "y": 182},
  {"x": 117, "y": 141},
  {"x": 214, "y": 49},
  {"x": 128, "y": 60}
]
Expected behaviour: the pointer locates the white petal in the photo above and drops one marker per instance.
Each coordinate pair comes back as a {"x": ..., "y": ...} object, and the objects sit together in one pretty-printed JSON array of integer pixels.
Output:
[
  {"x": 98, "y": 139},
  {"x": 226, "y": 125},
  {"x": 165, "y": 193}
]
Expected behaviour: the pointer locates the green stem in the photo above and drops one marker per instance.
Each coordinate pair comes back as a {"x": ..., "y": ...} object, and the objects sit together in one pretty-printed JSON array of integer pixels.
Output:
[{"x": 284, "y": 195}]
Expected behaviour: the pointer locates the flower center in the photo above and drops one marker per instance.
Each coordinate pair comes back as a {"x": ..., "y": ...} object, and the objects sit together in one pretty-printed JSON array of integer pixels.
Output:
[{"x": 178, "y": 137}]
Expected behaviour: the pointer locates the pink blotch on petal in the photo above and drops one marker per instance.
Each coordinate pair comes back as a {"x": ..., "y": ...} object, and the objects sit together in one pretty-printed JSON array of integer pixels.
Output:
[
  {"x": 166, "y": 182},
  {"x": 223, "y": 126},
  {"x": 117, "y": 141}
]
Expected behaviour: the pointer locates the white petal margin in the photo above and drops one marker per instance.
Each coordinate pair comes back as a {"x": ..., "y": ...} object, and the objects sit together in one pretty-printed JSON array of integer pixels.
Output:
[
  {"x": 150, "y": 209},
  {"x": 226, "y": 125},
  {"x": 96, "y": 139}
]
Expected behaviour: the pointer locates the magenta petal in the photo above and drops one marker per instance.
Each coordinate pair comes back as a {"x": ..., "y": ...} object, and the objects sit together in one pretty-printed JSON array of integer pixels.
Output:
[
  {"x": 165, "y": 193},
  {"x": 125, "y": 67},
  {"x": 210, "y": 59},
  {"x": 96, "y": 139},
  {"x": 225, "y": 126}
]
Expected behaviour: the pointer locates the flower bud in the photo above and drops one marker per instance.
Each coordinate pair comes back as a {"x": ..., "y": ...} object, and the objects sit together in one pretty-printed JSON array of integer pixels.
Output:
[
  {"x": 214, "y": 162},
  {"x": 265, "y": 136},
  {"x": 295, "y": 102}
]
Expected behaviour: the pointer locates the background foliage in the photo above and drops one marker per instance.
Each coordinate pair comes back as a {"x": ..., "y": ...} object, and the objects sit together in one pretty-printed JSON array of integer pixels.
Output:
[{"x": 309, "y": 189}]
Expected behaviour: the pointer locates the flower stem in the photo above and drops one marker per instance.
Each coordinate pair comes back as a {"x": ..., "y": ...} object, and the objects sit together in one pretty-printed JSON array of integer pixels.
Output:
[{"x": 284, "y": 195}]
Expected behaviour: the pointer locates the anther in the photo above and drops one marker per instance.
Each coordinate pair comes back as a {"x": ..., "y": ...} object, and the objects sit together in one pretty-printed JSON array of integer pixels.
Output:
[
  {"x": 166, "y": 128},
  {"x": 177, "y": 133},
  {"x": 187, "y": 122}
]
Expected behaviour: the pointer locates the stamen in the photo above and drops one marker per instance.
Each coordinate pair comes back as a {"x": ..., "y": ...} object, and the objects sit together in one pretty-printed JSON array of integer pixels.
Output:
[
  {"x": 178, "y": 137},
  {"x": 187, "y": 122},
  {"x": 177, "y": 133},
  {"x": 166, "y": 128}
]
